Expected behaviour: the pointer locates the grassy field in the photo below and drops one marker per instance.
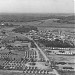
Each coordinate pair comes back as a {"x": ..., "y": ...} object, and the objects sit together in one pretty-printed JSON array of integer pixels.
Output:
[{"x": 66, "y": 73}]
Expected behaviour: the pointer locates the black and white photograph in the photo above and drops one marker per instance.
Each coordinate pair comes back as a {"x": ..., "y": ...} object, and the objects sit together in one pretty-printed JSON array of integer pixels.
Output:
[{"x": 37, "y": 37}]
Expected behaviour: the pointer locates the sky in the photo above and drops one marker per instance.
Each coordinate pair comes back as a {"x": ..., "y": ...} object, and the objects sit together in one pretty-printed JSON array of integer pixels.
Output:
[{"x": 37, "y": 6}]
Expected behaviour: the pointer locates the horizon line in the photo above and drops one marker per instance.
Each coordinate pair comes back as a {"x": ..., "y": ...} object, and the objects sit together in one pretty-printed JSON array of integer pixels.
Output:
[{"x": 31, "y": 13}]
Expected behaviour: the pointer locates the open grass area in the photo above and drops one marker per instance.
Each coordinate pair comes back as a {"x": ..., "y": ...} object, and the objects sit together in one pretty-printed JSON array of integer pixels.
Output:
[{"x": 66, "y": 73}]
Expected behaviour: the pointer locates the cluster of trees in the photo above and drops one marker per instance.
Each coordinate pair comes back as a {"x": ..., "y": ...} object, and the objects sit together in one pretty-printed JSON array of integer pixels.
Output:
[
  {"x": 68, "y": 20},
  {"x": 55, "y": 43},
  {"x": 25, "y": 29}
]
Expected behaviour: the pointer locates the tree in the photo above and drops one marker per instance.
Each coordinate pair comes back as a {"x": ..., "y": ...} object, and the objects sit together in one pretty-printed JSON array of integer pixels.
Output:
[{"x": 25, "y": 29}]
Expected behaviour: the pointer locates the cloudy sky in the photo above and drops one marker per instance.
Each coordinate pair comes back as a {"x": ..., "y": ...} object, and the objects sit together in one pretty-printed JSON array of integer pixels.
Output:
[{"x": 37, "y": 6}]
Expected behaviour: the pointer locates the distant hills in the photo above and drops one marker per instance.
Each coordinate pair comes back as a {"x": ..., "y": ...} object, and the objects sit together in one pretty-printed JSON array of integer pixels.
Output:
[{"x": 34, "y": 17}]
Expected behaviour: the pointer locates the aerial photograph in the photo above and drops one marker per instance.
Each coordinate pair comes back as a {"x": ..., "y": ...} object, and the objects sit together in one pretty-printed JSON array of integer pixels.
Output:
[{"x": 37, "y": 37}]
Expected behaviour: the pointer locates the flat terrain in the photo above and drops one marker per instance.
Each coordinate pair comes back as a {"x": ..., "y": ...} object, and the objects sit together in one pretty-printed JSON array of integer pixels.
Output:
[
  {"x": 18, "y": 73},
  {"x": 66, "y": 73},
  {"x": 47, "y": 24}
]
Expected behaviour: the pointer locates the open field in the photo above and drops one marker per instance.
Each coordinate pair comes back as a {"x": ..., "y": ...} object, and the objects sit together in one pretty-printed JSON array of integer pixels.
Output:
[
  {"x": 62, "y": 58},
  {"x": 66, "y": 73},
  {"x": 45, "y": 23}
]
